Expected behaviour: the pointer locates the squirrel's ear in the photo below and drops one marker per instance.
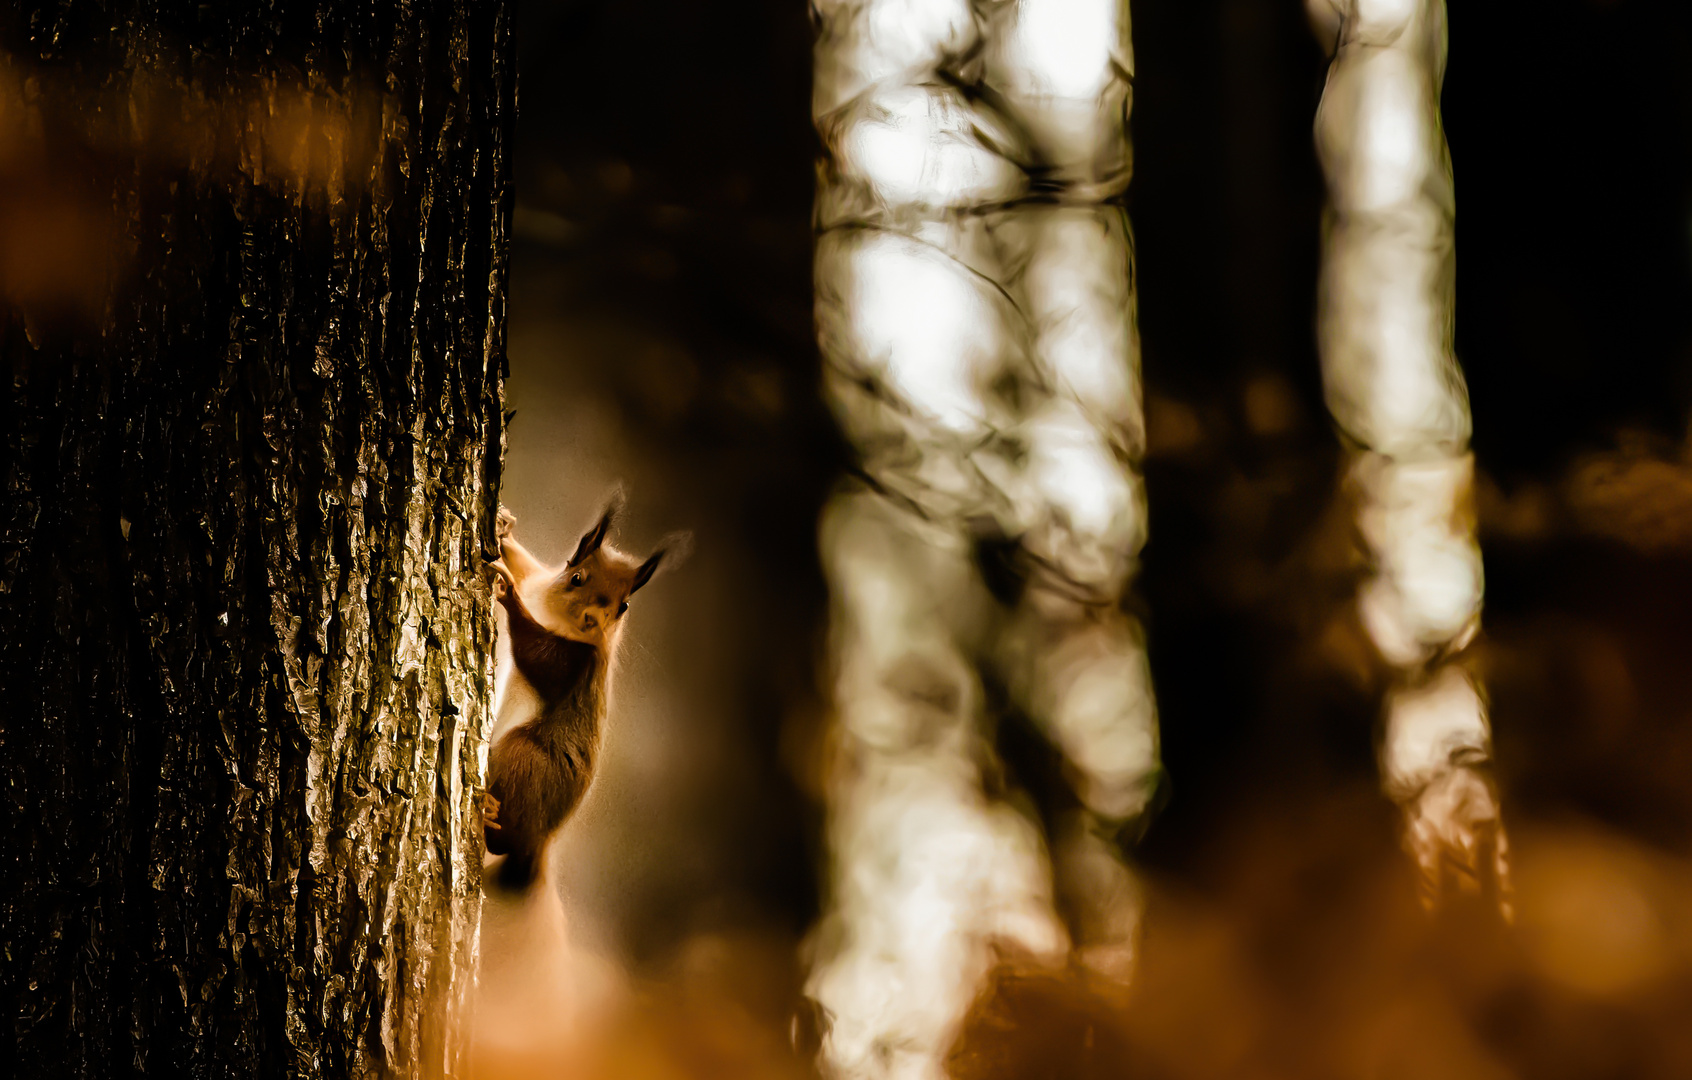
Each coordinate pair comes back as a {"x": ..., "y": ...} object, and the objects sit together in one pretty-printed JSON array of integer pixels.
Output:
[
  {"x": 590, "y": 543},
  {"x": 672, "y": 550},
  {"x": 596, "y": 535}
]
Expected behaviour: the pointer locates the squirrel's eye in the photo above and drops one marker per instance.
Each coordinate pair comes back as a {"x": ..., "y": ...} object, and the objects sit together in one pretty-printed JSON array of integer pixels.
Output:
[
  {"x": 575, "y": 579},
  {"x": 624, "y": 606}
]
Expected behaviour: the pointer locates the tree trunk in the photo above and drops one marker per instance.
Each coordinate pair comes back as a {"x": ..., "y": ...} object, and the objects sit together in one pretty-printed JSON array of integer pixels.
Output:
[
  {"x": 975, "y": 309},
  {"x": 252, "y": 303}
]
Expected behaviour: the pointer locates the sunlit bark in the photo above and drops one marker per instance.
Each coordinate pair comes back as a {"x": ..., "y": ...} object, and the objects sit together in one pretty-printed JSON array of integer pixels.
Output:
[
  {"x": 975, "y": 308},
  {"x": 1397, "y": 393},
  {"x": 250, "y": 455}
]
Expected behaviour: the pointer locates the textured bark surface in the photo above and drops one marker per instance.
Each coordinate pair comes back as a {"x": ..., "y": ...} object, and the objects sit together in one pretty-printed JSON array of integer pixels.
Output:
[{"x": 252, "y": 292}]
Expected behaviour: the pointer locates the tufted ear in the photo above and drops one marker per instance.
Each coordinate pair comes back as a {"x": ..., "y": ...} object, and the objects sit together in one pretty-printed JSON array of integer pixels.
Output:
[
  {"x": 671, "y": 550},
  {"x": 596, "y": 536}
]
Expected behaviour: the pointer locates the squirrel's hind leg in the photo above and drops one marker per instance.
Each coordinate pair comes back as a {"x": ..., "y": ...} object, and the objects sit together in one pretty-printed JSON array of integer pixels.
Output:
[{"x": 493, "y": 835}]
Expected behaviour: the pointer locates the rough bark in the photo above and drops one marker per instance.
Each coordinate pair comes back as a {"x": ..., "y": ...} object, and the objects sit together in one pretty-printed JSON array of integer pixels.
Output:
[{"x": 252, "y": 289}]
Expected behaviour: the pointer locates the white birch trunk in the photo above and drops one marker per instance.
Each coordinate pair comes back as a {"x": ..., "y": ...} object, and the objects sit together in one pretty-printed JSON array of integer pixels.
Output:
[
  {"x": 976, "y": 311},
  {"x": 1397, "y": 394}
]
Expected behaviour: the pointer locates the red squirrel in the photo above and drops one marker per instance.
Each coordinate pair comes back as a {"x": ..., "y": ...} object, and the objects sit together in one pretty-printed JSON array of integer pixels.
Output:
[{"x": 563, "y": 624}]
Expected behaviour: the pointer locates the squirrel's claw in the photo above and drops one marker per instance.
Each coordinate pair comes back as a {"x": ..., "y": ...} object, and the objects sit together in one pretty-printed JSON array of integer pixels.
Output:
[{"x": 503, "y": 521}]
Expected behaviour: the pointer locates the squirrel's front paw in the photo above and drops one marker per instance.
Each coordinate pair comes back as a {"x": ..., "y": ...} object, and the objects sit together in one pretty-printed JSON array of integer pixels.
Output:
[
  {"x": 503, "y": 523},
  {"x": 490, "y": 810}
]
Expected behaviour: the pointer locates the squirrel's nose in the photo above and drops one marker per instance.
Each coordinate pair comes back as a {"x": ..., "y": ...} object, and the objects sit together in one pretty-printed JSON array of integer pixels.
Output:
[{"x": 590, "y": 622}]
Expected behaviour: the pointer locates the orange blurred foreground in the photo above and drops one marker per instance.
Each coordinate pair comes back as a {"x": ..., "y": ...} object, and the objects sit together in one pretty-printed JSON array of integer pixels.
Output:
[
  {"x": 1312, "y": 959},
  {"x": 547, "y": 1008}
]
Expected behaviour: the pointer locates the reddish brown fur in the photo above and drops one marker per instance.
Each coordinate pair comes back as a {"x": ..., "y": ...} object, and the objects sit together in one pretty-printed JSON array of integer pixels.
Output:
[{"x": 562, "y": 640}]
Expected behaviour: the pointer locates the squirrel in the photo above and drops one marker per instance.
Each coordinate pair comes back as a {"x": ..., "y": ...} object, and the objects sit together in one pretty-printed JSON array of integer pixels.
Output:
[{"x": 563, "y": 638}]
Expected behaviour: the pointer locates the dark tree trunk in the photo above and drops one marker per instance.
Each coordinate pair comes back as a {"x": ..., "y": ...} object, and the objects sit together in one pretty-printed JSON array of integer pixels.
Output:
[{"x": 252, "y": 307}]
